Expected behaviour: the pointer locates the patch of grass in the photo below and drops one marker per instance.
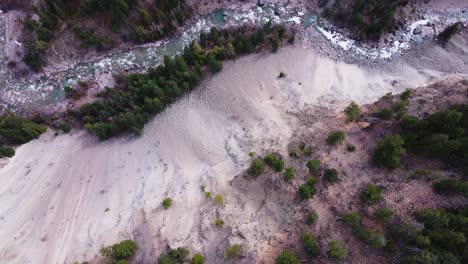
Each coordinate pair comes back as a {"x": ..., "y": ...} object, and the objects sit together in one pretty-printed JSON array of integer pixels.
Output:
[
  {"x": 336, "y": 137},
  {"x": 383, "y": 214},
  {"x": 371, "y": 194},
  {"x": 218, "y": 199},
  {"x": 312, "y": 218},
  {"x": 233, "y": 251},
  {"x": 219, "y": 223},
  {"x": 275, "y": 162},
  {"x": 313, "y": 165},
  {"x": 336, "y": 251},
  {"x": 352, "y": 112},
  {"x": 288, "y": 174},
  {"x": 310, "y": 244},
  {"x": 256, "y": 168},
  {"x": 331, "y": 175}
]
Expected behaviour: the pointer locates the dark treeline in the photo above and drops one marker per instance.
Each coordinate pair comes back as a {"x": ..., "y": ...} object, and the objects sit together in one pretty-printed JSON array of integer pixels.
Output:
[
  {"x": 368, "y": 19},
  {"x": 138, "y": 97},
  {"x": 135, "y": 22}
]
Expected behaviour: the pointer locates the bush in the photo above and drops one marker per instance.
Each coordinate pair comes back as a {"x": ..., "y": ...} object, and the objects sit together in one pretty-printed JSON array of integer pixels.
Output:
[
  {"x": 288, "y": 174},
  {"x": 385, "y": 114},
  {"x": 287, "y": 257},
  {"x": 352, "y": 111},
  {"x": 313, "y": 165},
  {"x": 311, "y": 181},
  {"x": 276, "y": 163},
  {"x": 198, "y": 259},
  {"x": 233, "y": 251},
  {"x": 399, "y": 107},
  {"x": 306, "y": 191},
  {"x": 167, "y": 202},
  {"x": 389, "y": 150},
  {"x": 6, "y": 152},
  {"x": 336, "y": 251},
  {"x": 331, "y": 175},
  {"x": 18, "y": 130},
  {"x": 371, "y": 194},
  {"x": 336, "y": 137},
  {"x": 219, "y": 223},
  {"x": 448, "y": 33},
  {"x": 406, "y": 95},
  {"x": 310, "y": 244},
  {"x": 351, "y": 148},
  {"x": 383, "y": 214},
  {"x": 120, "y": 251},
  {"x": 312, "y": 218},
  {"x": 66, "y": 128},
  {"x": 256, "y": 167},
  {"x": 173, "y": 256},
  {"x": 371, "y": 237},
  {"x": 218, "y": 199},
  {"x": 451, "y": 186},
  {"x": 352, "y": 219}
]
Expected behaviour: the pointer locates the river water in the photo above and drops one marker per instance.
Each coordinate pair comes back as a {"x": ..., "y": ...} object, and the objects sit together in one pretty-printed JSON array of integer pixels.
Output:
[{"x": 20, "y": 94}]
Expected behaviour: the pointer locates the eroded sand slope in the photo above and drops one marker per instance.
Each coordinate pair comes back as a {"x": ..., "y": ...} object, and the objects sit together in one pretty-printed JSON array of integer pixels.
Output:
[{"x": 55, "y": 190}]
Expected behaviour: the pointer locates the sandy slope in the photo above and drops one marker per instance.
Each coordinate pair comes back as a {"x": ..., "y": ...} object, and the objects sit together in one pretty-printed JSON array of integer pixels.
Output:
[{"x": 54, "y": 192}]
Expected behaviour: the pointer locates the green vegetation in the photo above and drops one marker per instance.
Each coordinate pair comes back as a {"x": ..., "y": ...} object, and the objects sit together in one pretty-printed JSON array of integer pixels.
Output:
[
  {"x": 313, "y": 165},
  {"x": 310, "y": 244},
  {"x": 450, "y": 186},
  {"x": 198, "y": 259},
  {"x": 351, "y": 148},
  {"x": 219, "y": 223},
  {"x": 442, "y": 239},
  {"x": 167, "y": 202},
  {"x": 352, "y": 112},
  {"x": 371, "y": 237},
  {"x": 385, "y": 114},
  {"x": 383, "y": 214},
  {"x": 147, "y": 22},
  {"x": 66, "y": 128},
  {"x": 275, "y": 162},
  {"x": 389, "y": 151},
  {"x": 218, "y": 199},
  {"x": 307, "y": 190},
  {"x": 448, "y": 33},
  {"x": 371, "y": 194},
  {"x": 331, "y": 175},
  {"x": 406, "y": 95},
  {"x": 336, "y": 137},
  {"x": 442, "y": 135},
  {"x": 119, "y": 252},
  {"x": 18, "y": 130},
  {"x": 256, "y": 167},
  {"x": 287, "y": 257},
  {"x": 336, "y": 251},
  {"x": 288, "y": 174},
  {"x": 367, "y": 19},
  {"x": 138, "y": 97},
  {"x": 233, "y": 251},
  {"x": 6, "y": 152},
  {"x": 174, "y": 256},
  {"x": 312, "y": 218}
]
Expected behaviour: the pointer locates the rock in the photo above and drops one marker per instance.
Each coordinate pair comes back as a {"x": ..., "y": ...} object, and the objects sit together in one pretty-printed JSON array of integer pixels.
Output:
[{"x": 363, "y": 125}]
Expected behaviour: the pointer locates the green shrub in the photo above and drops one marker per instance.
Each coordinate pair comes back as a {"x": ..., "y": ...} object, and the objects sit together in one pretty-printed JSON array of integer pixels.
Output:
[
  {"x": 450, "y": 186},
  {"x": 312, "y": 218},
  {"x": 432, "y": 219},
  {"x": 399, "y": 107},
  {"x": 311, "y": 181},
  {"x": 288, "y": 174},
  {"x": 292, "y": 39},
  {"x": 310, "y": 244},
  {"x": 18, "y": 130},
  {"x": 167, "y": 202},
  {"x": 218, "y": 199},
  {"x": 233, "y": 251},
  {"x": 352, "y": 219},
  {"x": 336, "y": 251},
  {"x": 6, "y": 152},
  {"x": 198, "y": 259},
  {"x": 331, "y": 175},
  {"x": 336, "y": 137},
  {"x": 371, "y": 237},
  {"x": 389, "y": 150},
  {"x": 66, "y": 128},
  {"x": 219, "y": 223},
  {"x": 256, "y": 167},
  {"x": 371, "y": 194},
  {"x": 173, "y": 256},
  {"x": 383, "y": 214},
  {"x": 276, "y": 163},
  {"x": 406, "y": 95},
  {"x": 351, "y": 148},
  {"x": 119, "y": 251},
  {"x": 287, "y": 257},
  {"x": 306, "y": 191},
  {"x": 448, "y": 33},
  {"x": 352, "y": 111},
  {"x": 385, "y": 114},
  {"x": 313, "y": 165}
]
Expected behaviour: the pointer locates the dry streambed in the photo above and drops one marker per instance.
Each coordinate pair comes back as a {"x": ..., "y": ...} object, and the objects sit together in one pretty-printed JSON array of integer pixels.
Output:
[{"x": 63, "y": 197}]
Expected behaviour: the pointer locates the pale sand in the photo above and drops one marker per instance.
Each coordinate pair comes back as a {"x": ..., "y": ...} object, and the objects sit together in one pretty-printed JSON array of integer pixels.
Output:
[{"x": 55, "y": 190}]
